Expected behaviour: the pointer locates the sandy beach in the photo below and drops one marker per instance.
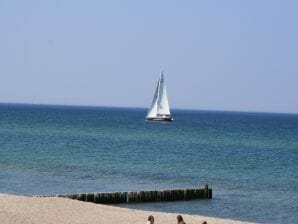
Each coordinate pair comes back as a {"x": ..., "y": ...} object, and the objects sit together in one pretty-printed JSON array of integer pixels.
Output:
[{"x": 30, "y": 210}]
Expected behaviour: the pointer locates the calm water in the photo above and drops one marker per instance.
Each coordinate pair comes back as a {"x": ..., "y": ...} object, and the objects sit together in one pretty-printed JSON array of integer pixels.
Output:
[{"x": 249, "y": 159}]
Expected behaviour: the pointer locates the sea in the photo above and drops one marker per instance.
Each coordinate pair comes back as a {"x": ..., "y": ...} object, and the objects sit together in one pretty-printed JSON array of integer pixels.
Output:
[{"x": 250, "y": 160}]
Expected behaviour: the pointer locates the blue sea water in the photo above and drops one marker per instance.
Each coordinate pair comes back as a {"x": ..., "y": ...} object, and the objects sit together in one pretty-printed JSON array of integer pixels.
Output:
[{"x": 249, "y": 159}]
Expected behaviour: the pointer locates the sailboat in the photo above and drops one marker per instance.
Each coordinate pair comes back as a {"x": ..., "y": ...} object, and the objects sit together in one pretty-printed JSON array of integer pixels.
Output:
[{"x": 159, "y": 109}]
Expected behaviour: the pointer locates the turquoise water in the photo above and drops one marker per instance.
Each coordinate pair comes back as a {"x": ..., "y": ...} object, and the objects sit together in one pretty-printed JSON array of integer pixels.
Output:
[{"x": 249, "y": 159}]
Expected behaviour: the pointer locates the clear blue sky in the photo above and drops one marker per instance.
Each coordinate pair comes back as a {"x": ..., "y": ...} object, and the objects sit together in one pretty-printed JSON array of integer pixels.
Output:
[{"x": 217, "y": 55}]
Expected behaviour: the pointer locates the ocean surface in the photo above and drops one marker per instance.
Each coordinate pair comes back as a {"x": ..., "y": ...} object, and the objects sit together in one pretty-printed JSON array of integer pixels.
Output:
[{"x": 249, "y": 159}]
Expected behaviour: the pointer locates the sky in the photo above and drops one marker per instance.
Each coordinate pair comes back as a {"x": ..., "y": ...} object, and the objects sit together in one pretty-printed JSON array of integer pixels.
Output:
[{"x": 216, "y": 55}]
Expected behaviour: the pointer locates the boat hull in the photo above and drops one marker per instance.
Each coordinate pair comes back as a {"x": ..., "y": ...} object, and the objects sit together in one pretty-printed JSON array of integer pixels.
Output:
[{"x": 160, "y": 119}]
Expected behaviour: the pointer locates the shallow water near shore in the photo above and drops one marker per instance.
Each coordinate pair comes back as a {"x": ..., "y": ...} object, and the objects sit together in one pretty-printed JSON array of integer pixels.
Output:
[{"x": 249, "y": 159}]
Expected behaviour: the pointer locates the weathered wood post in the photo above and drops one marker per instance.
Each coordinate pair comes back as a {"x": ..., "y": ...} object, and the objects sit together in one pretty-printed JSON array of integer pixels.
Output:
[
  {"x": 90, "y": 197},
  {"x": 206, "y": 191}
]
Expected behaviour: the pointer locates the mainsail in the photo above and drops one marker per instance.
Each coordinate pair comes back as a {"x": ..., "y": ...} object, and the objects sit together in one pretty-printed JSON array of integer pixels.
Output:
[{"x": 160, "y": 103}]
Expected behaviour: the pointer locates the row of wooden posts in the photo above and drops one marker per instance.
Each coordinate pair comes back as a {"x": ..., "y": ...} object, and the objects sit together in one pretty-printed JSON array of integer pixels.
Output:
[{"x": 143, "y": 196}]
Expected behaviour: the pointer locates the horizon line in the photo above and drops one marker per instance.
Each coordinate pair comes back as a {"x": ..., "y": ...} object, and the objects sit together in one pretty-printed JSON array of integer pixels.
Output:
[{"x": 138, "y": 107}]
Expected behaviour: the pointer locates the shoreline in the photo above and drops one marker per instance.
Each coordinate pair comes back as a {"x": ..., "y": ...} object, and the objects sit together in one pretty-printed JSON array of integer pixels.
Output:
[{"x": 16, "y": 209}]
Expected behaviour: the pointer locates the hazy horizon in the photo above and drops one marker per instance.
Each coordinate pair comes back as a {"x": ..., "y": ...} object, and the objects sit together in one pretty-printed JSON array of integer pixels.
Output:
[
  {"x": 221, "y": 56},
  {"x": 141, "y": 108}
]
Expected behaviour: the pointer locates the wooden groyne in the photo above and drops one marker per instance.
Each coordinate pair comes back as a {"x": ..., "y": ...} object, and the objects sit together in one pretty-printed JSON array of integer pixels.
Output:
[{"x": 142, "y": 196}]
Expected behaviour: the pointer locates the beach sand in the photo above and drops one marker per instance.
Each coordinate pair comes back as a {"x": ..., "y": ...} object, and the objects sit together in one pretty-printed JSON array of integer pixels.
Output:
[{"x": 46, "y": 210}]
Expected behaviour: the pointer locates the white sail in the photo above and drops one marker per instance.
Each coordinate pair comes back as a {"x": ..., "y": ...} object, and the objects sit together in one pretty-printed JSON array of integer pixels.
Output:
[
  {"x": 152, "y": 112},
  {"x": 160, "y": 103},
  {"x": 163, "y": 103}
]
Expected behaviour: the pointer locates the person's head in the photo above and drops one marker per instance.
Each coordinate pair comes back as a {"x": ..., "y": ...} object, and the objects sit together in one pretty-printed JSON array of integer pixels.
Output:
[
  {"x": 151, "y": 219},
  {"x": 179, "y": 218},
  {"x": 204, "y": 222}
]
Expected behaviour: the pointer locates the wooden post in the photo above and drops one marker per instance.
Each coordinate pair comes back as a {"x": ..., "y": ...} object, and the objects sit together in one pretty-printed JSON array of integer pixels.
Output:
[
  {"x": 206, "y": 191},
  {"x": 90, "y": 197}
]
